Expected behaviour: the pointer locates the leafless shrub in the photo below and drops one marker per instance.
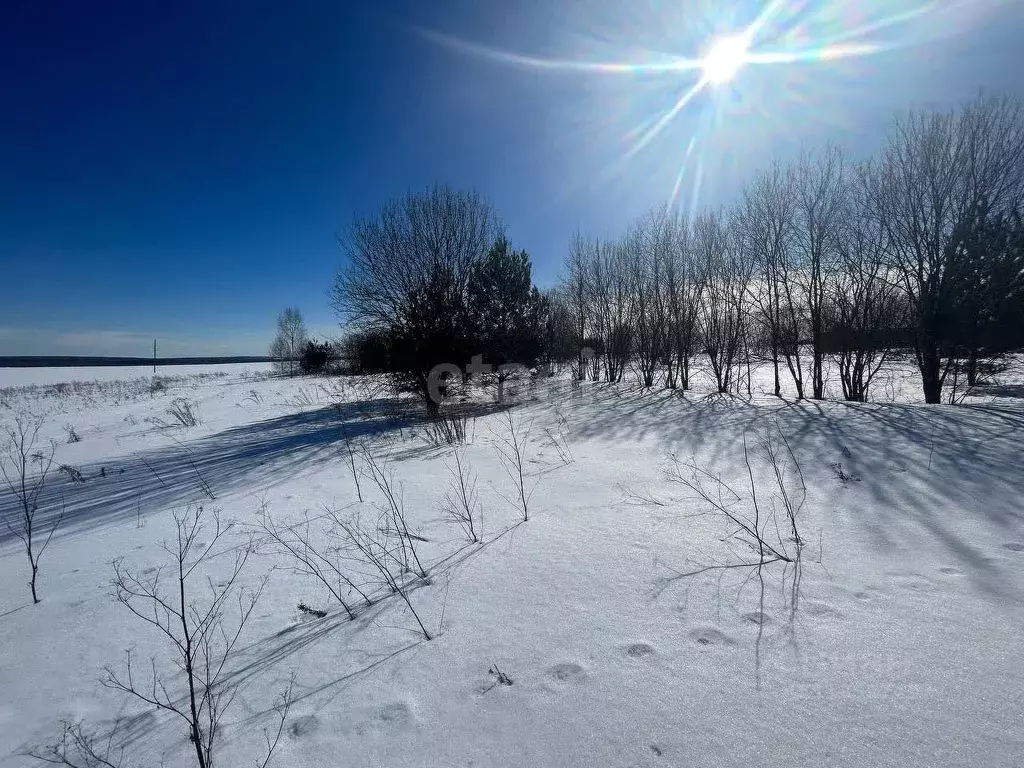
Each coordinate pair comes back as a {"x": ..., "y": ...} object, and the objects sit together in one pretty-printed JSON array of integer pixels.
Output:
[
  {"x": 393, "y": 521},
  {"x": 512, "y": 445},
  {"x": 753, "y": 520},
  {"x": 22, "y": 453},
  {"x": 789, "y": 479},
  {"x": 201, "y": 639},
  {"x": 462, "y": 503},
  {"x": 447, "y": 429},
  {"x": 72, "y": 473},
  {"x": 317, "y": 552},
  {"x": 306, "y": 398},
  {"x": 254, "y": 397},
  {"x": 375, "y": 547},
  {"x": 640, "y": 499},
  {"x": 291, "y": 338},
  {"x": 184, "y": 412},
  {"x": 561, "y": 445},
  {"x": 281, "y": 708},
  {"x": 204, "y": 486},
  {"x": 71, "y": 433}
]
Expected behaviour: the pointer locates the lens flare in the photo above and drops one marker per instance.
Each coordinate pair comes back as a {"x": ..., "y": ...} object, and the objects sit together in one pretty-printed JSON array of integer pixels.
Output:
[
  {"x": 690, "y": 76},
  {"x": 724, "y": 59}
]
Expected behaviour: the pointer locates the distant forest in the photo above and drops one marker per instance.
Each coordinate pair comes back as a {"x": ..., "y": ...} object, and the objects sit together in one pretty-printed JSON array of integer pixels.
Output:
[{"x": 59, "y": 361}]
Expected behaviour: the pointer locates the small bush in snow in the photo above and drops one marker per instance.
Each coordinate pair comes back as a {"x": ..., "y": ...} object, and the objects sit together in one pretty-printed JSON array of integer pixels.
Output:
[
  {"x": 447, "y": 429},
  {"x": 462, "y": 503},
  {"x": 201, "y": 639},
  {"x": 25, "y": 466},
  {"x": 392, "y": 520},
  {"x": 72, "y": 473},
  {"x": 373, "y": 546},
  {"x": 312, "y": 611},
  {"x": 512, "y": 444},
  {"x": 184, "y": 412},
  {"x": 312, "y": 546},
  {"x": 753, "y": 519}
]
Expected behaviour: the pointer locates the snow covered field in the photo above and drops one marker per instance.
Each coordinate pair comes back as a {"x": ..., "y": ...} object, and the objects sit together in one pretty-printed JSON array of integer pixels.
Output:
[{"x": 894, "y": 641}]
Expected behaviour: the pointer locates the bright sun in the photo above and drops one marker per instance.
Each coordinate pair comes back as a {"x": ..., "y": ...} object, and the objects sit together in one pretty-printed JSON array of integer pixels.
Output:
[{"x": 724, "y": 59}]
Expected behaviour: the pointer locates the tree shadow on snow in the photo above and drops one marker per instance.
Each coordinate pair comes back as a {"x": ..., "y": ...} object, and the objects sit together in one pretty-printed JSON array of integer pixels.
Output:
[
  {"x": 250, "y": 457},
  {"x": 923, "y": 476}
]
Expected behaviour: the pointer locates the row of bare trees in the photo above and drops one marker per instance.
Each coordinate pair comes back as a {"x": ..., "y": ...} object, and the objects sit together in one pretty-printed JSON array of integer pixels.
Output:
[{"x": 921, "y": 247}]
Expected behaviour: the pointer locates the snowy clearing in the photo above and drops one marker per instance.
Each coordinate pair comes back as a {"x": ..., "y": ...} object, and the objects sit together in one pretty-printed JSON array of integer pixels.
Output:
[{"x": 573, "y": 638}]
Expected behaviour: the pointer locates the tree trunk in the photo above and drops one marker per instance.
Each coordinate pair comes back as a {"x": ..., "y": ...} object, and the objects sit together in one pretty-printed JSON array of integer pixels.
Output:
[
  {"x": 818, "y": 374},
  {"x": 931, "y": 373},
  {"x": 775, "y": 362},
  {"x": 972, "y": 368}
]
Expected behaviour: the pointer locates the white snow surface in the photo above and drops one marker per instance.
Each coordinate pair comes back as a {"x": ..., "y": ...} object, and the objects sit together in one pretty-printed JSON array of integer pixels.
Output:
[{"x": 899, "y": 645}]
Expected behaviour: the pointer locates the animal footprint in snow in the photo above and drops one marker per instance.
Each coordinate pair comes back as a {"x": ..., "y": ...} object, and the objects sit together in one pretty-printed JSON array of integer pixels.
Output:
[
  {"x": 711, "y": 636},
  {"x": 639, "y": 650},
  {"x": 396, "y": 712},
  {"x": 821, "y": 609},
  {"x": 567, "y": 673},
  {"x": 869, "y": 593},
  {"x": 301, "y": 726},
  {"x": 757, "y": 617}
]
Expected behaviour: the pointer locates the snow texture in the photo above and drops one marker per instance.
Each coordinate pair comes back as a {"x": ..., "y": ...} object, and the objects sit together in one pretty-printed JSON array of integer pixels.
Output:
[{"x": 897, "y": 643}]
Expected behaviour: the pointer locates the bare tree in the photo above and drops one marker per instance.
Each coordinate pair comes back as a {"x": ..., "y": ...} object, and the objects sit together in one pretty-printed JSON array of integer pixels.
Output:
[
  {"x": 820, "y": 189},
  {"x": 937, "y": 170},
  {"x": 25, "y": 466},
  {"x": 398, "y": 250},
  {"x": 578, "y": 292},
  {"x": 722, "y": 312},
  {"x": 764, "y": 225},
  {"x": 291, "y": 338},
  {"x": 407, "y": 275},
  {"x": 865, "y": 306},
  {"x": 648, "y": 249},
  {"x": 682, "y": 287},
  {"x": 612, "y": 307},
  {"x": 201, "y": 639}
]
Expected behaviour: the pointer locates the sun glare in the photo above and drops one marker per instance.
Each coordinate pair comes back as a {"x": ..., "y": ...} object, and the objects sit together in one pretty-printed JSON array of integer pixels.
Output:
[{"x": 724, "y": 59}]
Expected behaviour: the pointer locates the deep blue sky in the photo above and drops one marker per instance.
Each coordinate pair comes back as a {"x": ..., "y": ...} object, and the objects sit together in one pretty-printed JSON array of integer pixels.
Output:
[{"x": 180, "y": 169}]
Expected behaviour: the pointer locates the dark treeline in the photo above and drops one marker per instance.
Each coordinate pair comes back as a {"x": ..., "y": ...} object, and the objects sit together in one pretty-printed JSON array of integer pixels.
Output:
[
  {"x": 821, "y": 261},
  {"x": 920, "y": 248},
  {"x": 58, "y": 361}
]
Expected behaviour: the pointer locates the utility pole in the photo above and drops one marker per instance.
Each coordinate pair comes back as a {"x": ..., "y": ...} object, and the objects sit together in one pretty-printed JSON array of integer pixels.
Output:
[{"x": 154, "y": 355}]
